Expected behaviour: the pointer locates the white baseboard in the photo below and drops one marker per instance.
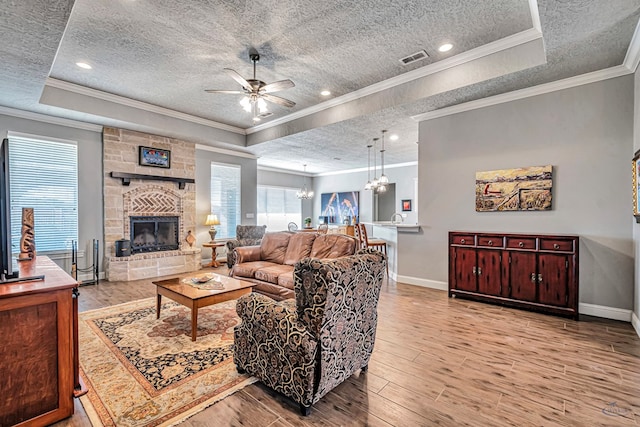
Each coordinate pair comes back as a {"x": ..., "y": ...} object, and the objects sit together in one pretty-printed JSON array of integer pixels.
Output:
[
  {"x": 605, "y": 312},
  {"x": 426, "y": 283},
  {"x": 636, "y": 323},
  {"x": 584, "y": 308}
]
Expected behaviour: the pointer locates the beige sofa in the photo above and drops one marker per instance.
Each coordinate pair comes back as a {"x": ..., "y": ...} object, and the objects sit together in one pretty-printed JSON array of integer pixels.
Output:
[{"x": 270, "y": 265}]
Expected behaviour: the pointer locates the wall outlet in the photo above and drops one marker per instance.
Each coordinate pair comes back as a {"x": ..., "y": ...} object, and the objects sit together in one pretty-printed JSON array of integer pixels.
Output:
[
  {"x": 404, "y": 215},
  {"x": 249, "y": 216}
]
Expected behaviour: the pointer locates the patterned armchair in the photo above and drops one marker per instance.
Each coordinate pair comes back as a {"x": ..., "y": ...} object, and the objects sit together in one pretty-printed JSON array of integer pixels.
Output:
[
  {"x": 305, "y": 348},
  {"x": 246, "y": 235}
]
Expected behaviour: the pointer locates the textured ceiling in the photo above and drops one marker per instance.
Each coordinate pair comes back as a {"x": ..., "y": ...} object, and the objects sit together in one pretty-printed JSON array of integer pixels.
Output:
[{"x": 166, "y": 52}]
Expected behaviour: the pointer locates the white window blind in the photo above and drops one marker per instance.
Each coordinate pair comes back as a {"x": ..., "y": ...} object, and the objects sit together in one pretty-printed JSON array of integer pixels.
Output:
[
  {"x": 43, "y": 175},
  {"x": 278, "y": 206},
  {"x": 225, "y": 198}
]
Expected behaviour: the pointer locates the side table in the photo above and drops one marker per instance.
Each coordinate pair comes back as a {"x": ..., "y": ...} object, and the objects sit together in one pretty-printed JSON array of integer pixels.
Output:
[{"x": 214, "y": 254}]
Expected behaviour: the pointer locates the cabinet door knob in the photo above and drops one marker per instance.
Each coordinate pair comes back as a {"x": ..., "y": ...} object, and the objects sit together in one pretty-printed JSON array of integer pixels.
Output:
[
  {"x": 462, "y": 241},
  {"x": 490, "y": 242},
  {"x": 474, "y": 270},
  {"x": 539, "y": 278},
  {"x": 479, "y": 271},
  {"x": 556, "y": 246},
  {"x": 533, "y": 277},
  {"x": 521, "y": 244}
]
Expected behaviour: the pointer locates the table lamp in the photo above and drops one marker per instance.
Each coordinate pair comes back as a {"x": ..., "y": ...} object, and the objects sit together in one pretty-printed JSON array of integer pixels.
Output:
[{"x": 212, "y": 220}]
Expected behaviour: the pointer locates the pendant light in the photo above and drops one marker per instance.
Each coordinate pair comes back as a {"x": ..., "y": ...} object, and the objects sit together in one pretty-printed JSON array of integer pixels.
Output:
[
  {"x": 383, "y": 177},
  {"x": 368, "y": 184},
  {"x": 304, "y": 193},
  {"x": 374, "y": 183}
]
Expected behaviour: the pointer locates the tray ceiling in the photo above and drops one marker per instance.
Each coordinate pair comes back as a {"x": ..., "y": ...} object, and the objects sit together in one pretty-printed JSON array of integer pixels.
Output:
[{"x": 164, "y": 54}]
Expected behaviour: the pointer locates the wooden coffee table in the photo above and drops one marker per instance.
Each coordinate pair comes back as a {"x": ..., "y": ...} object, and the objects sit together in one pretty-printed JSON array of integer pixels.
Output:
[{"x": 194, "y": 298}]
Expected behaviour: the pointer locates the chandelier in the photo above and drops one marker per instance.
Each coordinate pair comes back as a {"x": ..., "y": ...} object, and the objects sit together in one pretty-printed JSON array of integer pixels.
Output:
[
  {"x": 303, "y": 193},
  {"x": 378, "y": 185}
]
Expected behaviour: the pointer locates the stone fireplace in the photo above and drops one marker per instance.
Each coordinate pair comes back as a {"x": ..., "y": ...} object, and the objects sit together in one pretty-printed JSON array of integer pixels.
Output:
[{"x": 155, "y": 215}]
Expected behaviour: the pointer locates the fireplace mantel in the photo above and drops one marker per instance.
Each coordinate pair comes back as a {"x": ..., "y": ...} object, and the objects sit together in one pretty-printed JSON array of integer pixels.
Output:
[{"x": 127, "y": 177}]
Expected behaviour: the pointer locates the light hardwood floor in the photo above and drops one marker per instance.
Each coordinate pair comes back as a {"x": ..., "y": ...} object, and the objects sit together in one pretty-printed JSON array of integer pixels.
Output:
[{"x": 452, "y": 362}]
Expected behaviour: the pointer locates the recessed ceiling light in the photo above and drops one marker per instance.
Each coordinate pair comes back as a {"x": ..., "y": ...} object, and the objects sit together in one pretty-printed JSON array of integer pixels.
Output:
[
  {"x": 325, "y": 93},
  {"x": 84, "y": 65},
  {"x": 394, "y": 137},
  {"x": 445, "y": 47},
  {"x": 256, "y": 119}
]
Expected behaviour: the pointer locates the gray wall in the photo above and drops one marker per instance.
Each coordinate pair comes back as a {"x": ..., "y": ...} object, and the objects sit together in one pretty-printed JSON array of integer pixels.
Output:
[
  {"x": 282, "y": 179},
  {"x": 586, "y": 133},
  {"x": 404, "y": 177},
  {"x": 90, "y": 200},
  {"x": 248, "y": 190}
]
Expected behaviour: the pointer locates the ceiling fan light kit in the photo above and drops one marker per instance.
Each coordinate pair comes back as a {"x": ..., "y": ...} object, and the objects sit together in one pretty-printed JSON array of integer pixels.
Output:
[{"x": 257, "y": 92}]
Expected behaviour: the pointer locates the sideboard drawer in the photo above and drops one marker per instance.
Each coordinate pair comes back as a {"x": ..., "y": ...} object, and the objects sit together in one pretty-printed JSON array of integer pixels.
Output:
[
  {"x": 463, "y": 239},
  {"x": 565, "y": 245},
  {"x": 490, "y": 241},
  {"x": 521, "y": 243}
]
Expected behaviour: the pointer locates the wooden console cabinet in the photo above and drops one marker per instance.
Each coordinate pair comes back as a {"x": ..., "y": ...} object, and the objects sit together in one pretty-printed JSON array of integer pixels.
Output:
[
  {"x": 38, "y": 354},
  {"x": 536, "y": 272}
]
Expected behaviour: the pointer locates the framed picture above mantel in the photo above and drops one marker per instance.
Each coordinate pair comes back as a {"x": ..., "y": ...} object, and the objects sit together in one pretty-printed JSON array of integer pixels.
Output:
[{"x": 155, "y": 157}]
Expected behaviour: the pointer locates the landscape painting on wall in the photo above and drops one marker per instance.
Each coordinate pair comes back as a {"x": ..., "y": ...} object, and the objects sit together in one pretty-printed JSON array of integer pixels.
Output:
[
  {"x": 521, "y": 189},
  {"x": 339, "y": 208}
]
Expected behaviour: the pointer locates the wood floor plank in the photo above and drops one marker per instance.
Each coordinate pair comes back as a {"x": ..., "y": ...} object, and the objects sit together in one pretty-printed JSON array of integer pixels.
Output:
[{"x": 448, "y": 362}]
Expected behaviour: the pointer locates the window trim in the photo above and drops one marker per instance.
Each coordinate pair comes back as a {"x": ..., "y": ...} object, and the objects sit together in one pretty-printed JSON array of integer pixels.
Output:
[{"x": 13, "y": 135}]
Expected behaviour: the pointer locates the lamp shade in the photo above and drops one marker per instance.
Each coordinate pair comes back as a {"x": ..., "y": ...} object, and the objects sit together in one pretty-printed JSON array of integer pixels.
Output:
[{"x": 212, "y": 219}]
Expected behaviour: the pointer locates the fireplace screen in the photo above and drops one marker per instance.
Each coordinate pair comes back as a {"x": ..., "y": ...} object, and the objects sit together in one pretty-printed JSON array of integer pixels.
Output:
[{"x": 154, "y": 233}]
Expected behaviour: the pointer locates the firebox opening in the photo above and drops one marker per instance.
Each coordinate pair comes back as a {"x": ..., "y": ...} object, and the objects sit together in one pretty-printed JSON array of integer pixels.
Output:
[{"x": 154, "y": 233}]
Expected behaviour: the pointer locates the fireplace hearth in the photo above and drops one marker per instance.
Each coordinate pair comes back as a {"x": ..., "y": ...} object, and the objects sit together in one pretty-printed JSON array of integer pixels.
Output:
[{"x": 154, "y": 233}]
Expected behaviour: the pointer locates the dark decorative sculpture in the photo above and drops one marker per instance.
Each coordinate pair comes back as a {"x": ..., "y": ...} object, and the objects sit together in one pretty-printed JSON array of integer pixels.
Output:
[{"x": 27, "y": 240}]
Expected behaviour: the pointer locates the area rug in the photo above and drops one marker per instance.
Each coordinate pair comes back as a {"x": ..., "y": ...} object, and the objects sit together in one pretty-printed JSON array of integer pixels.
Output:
[{"x": 141, "y": 371}]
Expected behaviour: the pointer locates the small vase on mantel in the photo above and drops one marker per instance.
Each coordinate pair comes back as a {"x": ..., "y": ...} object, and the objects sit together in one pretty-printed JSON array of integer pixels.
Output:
[{"x": 190, "y": 239}]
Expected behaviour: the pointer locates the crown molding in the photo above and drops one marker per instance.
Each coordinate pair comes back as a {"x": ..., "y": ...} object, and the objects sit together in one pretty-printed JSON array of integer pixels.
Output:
[
  {"x": 391, "y": 166},
  {"x": 287, "y": 171},
  {"x": 632, "y": 58},
  {"x": 128, "y": 102},
  {"x": 225, "y": 151},
  {"x": 29, "y": 115},
  {"x": 535, "y": 15},
  {"x": 567, "y": 83},
  {"x": 464, "y": 57}
]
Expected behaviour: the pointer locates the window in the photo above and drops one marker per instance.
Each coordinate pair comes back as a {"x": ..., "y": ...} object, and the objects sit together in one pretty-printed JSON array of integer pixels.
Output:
[
  {"x": 225, "y": 198},
  {"x": 278, "y": 206},
  {"x": 43, "y": 175}
]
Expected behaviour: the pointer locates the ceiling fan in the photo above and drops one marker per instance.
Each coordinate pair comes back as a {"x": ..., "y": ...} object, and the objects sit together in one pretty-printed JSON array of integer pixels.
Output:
[{"x": 257, "y": 91}]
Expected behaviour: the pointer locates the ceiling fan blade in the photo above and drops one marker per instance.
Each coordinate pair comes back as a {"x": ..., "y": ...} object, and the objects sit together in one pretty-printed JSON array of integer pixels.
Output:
[
  {"x": 278, "y": 100},
  {"x": 277, "y": 86},
  {"x": 238, "y": 92},
  {"x": 237, "y": 77}
]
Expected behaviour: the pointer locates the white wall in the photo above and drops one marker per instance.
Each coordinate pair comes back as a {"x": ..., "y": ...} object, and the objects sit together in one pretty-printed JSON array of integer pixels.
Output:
[{"x": 586, "y": 133}]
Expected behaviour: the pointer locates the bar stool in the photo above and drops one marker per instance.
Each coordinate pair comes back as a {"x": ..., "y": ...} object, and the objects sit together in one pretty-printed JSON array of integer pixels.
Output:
[{"x": 365, "y": 242}]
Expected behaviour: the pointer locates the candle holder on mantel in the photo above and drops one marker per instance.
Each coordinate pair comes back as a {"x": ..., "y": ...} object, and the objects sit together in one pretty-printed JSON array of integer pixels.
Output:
[{"x": 212, "y": 220}]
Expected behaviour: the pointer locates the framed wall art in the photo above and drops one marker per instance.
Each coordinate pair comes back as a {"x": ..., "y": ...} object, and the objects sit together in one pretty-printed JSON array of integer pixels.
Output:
[
  {"x": 636, "y": 184},
  {"x": 406, "y": 205},
  {"x": 339, "y": 208},
  {"x": 154, "y": 157},
  {"x": 520, "y": 189}
]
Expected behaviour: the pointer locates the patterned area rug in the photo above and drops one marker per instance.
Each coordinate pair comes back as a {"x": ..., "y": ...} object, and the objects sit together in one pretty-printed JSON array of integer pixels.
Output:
[{"x": 141, "y": 371}]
